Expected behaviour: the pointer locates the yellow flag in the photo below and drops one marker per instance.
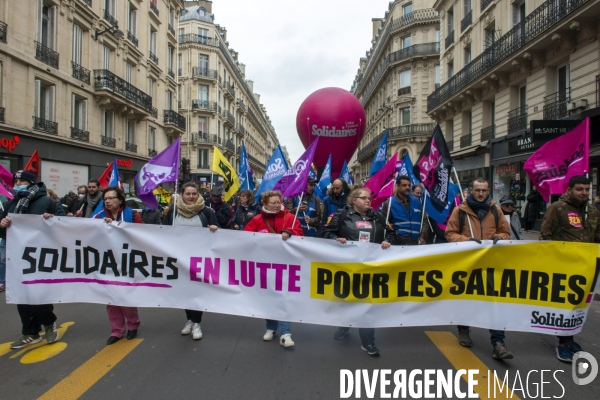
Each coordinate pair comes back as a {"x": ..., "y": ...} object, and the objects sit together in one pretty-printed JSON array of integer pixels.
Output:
[
  {"x": 163, "y": 195},
  {"x": 221, "y": 166}
]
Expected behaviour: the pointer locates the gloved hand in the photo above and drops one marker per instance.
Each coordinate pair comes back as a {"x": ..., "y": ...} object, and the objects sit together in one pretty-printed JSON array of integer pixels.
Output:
[
  {"x": 495, "y": 239},
  {"x": 474, "y": 240}
]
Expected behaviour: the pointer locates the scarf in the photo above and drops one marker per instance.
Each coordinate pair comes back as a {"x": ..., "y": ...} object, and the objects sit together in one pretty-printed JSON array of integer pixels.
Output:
[
  {"x": 92, "y": 203},
  {"x": 264, "y": 210},
  {"x": 25, "y": 197},
  {"x": 190, "y": 210},
  {"x": 481, "y": 209}
]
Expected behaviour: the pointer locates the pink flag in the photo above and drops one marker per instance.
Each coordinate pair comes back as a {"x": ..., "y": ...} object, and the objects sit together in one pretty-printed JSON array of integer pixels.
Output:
[
  {"x": 382, "y": 183},
  {"x": 551, "y": 167},
  {"x": 6, "y": 184}
]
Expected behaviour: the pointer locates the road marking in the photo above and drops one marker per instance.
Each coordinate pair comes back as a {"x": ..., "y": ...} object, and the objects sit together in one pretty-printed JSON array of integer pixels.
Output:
[
  {"x": 84, "y": 377},
  {"x": 40, "y": 351},
  {"x": 463, "y": 358}
]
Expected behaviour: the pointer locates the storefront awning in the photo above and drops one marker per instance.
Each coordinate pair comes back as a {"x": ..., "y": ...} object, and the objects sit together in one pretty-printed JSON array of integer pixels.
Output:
[
  {"x": 466, "y": 150},
  {"x": 512, "y": 159}
]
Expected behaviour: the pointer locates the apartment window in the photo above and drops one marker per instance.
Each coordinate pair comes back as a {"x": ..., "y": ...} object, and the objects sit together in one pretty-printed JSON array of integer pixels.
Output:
[
  {"x": 438, "y": 76},
  {"x": 77, "y": 44},
  {"x": 170, "y": 56},
  {"x": 203, "y": 93},
  {"x": 466, "y": 7},
  {"x": 518, "y": 12},
  {"x": 203, "y": 62},
  {"x": 150, "y": 87},
  {"x": 128, "y": 72},
  {"x": 202, "y": 35},
  {"x": 46, "y": 29},
  {"x": 181, "y": 31},
  {"x": 171, "y": 16},
  {"x": 130, "y": 131},
  {"x": 407, "y": 9},
  {"x": 179, "y": 62},
  {"x": 109, "y": 6},
  {"x": 405, "y": 78},
  {"x": 492, "y": 113},
  {"x": 108, "y": 123},
  {"x": 437, "y": 35},
  {"x": 179, "y": 93},
  {"x": 152, "y": 40},
  {"x": 44, "y": 100},
  {"x": 201, "y": 11},
  {"x": 523, "y": 96},
  {"x": 202, "y": 158},
  {"x": 467, "y": 54},
  {"x": 151, "y": 137},
  {"x": 132, "y": 20},
  {"x": 450, "y": 69},
  {"x": 562, "y": 80},
  {"x": 202, "y": 125},
  {"x": 406, "y": 42},
  {"x": 169, "y": 99},
  {"x": 79, "y": 112},
  {"x": 405, "y": 116},
  {"x": 105, "y": 58},
  {"x": 450, "y": 20}
]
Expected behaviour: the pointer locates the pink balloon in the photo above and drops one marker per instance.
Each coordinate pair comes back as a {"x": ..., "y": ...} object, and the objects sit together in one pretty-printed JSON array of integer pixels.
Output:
[{"x": 338, "y": 118}]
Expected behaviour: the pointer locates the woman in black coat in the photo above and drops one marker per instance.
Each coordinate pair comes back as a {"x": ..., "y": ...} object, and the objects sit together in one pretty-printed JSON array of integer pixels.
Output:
[{"x": 535, "y": 204}]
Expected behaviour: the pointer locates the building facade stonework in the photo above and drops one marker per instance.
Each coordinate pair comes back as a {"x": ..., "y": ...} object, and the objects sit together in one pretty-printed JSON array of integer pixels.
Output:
[{"x": 394, "y": 79}]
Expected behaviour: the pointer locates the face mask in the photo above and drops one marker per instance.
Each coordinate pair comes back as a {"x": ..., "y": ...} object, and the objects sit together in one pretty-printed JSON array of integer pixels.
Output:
[
  {"x": 20, "y": 188},
  {"x": 81, "y": 196}
]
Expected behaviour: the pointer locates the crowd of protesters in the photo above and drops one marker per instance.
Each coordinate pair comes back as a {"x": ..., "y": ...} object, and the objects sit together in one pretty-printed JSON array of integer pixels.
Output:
[{"x": 343, "y": 214}]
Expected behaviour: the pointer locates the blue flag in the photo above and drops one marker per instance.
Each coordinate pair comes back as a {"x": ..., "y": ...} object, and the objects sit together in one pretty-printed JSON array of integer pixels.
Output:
[
  {"x": 325, "y": 177},
  {"x": 345, "y": 174},
  {"x": 114, "y": 181},
  {"x": 433, "y": 212},
  {"x": 245, "y": 171},
  {"x": 380, "y": 158},
  {"x": 317, "y": 192},
  {"x": 407, "y": 169},
  {"x": 276, "y": 168}
]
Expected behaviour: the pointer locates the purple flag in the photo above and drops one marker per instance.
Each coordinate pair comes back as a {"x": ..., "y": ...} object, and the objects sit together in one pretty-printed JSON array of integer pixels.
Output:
[
  {"x": 162, "y": 168},
  {"x": 295, "y": 179}
]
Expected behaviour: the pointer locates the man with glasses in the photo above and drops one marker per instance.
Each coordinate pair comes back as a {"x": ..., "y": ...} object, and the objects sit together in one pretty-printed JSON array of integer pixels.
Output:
[
  {"x": 476, "y": 219},
  {"x": 93, "y": 197},
  {"x": 405, "y": 215}
]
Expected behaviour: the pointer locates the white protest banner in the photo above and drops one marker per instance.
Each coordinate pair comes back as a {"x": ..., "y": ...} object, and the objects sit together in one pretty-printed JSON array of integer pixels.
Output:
[{"x": 526, "y": 286}]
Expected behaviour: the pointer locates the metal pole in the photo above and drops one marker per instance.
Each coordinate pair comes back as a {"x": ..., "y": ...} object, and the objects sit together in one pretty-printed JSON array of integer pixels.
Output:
[{"x": 297, "y": 209}]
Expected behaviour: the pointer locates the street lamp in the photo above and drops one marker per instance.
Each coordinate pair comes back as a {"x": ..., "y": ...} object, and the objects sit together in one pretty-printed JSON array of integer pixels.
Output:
[{"x": 118, "y": 34}]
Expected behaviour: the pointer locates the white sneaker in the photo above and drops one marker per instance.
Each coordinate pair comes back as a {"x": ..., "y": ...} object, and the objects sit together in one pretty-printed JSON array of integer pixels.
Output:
[
  {"x": 187, "y": 329},
  {"x": 269, "y": 334},
  {"x": 196, "y": 332},
  {"x": 286, "y": 340}
]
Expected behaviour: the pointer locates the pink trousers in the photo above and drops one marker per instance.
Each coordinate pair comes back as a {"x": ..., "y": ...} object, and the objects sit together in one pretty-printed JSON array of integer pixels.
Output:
[{"x": 117, "y": 316}]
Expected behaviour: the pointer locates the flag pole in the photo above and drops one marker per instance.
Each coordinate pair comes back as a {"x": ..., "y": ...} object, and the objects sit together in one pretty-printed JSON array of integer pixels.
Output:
[
  {"x": 387, "y": 217},
  {"x": 297, "y": 209},
  {"x": 463, "y": 197},
  {"x": 423, "y": 211}
]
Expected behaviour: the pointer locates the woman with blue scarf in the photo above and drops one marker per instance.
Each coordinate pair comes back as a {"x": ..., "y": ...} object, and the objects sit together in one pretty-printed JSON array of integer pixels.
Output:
[{"x": 115, "y": 210}]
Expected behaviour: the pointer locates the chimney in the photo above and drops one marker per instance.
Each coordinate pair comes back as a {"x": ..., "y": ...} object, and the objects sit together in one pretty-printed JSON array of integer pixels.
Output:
[
  {"x": 250, "y": 84},
  {"x": 242, "y": 68},
  {"x": 377, "y": 23}
]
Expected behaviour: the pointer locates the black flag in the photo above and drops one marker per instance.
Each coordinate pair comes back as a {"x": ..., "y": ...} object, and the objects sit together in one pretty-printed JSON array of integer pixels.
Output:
[{"x": 433, "y": 168}]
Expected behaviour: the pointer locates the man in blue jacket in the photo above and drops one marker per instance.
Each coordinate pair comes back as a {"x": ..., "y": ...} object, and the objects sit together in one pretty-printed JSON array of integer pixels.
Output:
[{"x": 406, "y": 215}]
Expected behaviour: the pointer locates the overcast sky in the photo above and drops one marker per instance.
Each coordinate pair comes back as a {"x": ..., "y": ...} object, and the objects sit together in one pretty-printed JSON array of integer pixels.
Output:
[{"x": 292, "y": 48}]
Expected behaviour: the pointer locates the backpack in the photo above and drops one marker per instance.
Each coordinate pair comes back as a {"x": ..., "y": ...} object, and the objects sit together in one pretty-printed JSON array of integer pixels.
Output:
[{"x": 462, "y": 215}]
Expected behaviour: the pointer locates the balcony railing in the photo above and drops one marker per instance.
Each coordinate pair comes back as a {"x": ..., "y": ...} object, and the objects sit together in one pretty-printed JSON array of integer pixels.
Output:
[
  {"x": 204, "y": 72},
  {"x": 240, "y": 129},
  {"x": 204, "y": 105},
  {"x": 404, "y": 90},
  {"x": 535, "y": 24},
  {"x": 465, "y": 140},
  {"x": 1, "y": 114},
  {"x": 517, "y": 119},
  {"x": 153, "y": 58},
  {"x": 3, "y": 29},
  {"x": 151, "y": 152},
  {"x": 46, "y": 55},
  {"x": 556, "y": 105},
  {"x": 256, "y": 161},
  {"x": 466, "y": 21},
  {"x": 107, "y": 141},
  {"x": 131, "y": 37},
  {"x": 111, "y": 20},
  {"x": 172, "y": 117},
  {"x": 132, "y": 147},
  {"x": 200, "y": 39},
  {"x": 242, "y": 105},
  {"x": 88, "y": 2},
  {"x": 171, "y": 29},
  {"x": 230, "y": 89},
  {"x": 80, "y": 73},
  {"x": 230, "y": 146},
  {"x": 179, "y": 72},
  {"x": 449, "y": 40},
  {"x": 171, "y": 73},
  {"x": 106, "y": 80},
  {"x": 396, "y": 133},
  {"x": 203, "y": 137},
  {"x": 80, "y": 134},
  {"x": 488, "y": 133},
  {"x": 485, "y": 3},
  {"x": 230, "y": 117},
  {"x": 154, "y": 8},
  {"x": 40, "y": 124},
  {"x": 403, "y": 54},
  {"x": 450, "y": 144}
]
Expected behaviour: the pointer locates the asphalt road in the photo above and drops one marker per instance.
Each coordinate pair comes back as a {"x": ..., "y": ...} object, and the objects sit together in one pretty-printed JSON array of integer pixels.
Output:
[{"x": 233, "y": 362}]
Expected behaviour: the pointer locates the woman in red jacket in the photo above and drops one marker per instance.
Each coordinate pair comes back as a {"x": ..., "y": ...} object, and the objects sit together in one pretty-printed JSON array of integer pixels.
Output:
[{"x": 275, "y": 218}]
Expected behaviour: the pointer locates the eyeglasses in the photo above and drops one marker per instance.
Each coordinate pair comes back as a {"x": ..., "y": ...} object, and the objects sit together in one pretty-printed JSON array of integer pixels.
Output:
[
  {"x": 365, "y": 198},
  {"x": 110, "y": 198}
]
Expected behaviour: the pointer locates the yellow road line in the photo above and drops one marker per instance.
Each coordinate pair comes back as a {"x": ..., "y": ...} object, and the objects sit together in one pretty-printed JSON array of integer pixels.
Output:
[
  {"x": 463, "y": 358},
  {"x": 84, "y": 377}
]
